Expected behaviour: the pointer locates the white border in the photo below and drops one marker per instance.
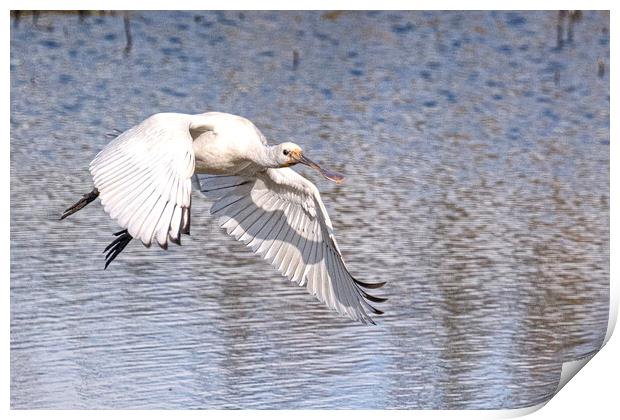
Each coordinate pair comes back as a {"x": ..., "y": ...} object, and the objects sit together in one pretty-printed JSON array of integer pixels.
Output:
[{"x": 592, "y": 394}]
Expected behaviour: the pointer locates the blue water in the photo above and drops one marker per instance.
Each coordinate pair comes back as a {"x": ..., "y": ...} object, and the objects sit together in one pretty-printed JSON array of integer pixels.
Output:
[{"x": 476, "y": 150}]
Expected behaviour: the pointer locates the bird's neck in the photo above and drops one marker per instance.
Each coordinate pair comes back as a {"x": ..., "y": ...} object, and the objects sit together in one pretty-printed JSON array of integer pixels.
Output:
[{"x": 267, "y": 157}]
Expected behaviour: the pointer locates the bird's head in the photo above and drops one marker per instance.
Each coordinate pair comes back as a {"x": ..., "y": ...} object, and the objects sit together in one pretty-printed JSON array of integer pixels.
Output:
[{"x": 289, "y": 154}]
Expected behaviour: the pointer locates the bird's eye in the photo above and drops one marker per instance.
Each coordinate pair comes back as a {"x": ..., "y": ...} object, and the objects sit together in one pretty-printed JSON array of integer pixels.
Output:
[{"x": 285, "y": 151}]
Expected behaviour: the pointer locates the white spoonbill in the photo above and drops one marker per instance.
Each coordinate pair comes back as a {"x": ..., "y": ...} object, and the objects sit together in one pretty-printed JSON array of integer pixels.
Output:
[{"x": 144, "y": 181}]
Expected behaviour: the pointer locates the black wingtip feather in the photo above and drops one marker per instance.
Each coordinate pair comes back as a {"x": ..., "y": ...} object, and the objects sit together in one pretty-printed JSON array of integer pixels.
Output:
[
  {"x": 374, "y": 310},
  {"x": 367, "y": 296},
  {"x": 369, "y": 285},
  {"x": 373, "y": 298},
  {"x": 377, "y": 311}
]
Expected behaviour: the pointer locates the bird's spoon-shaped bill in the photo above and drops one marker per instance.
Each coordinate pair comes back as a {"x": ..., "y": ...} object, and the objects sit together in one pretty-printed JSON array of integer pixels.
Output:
[{"x": 331, "y": 175}]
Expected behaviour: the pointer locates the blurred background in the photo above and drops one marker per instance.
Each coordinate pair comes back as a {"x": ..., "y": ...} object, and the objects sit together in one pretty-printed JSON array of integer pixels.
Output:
[{"x": 476, "y": 151}]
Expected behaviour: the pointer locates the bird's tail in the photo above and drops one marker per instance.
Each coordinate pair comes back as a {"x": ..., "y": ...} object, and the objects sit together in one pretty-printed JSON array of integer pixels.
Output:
[{"x": 86, "y": 198}]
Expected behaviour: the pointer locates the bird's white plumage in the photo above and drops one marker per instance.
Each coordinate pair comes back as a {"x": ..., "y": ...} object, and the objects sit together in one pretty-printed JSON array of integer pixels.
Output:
[
  {"x": 280, "y": 216},
  {"x": 144, "y": 178},
  {"x": 144, "y": 181}
]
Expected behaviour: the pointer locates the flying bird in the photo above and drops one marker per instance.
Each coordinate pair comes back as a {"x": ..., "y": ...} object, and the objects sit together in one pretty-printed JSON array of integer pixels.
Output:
[{"x": 144, "y": 179}]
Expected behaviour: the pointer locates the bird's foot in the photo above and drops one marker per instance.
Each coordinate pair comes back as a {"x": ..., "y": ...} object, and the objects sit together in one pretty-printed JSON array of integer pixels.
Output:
[{"x": 116, "y": 247}]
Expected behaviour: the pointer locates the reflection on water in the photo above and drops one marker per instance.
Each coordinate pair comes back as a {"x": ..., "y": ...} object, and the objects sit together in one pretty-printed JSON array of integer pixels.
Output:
[{"x": 476, "y": 150}]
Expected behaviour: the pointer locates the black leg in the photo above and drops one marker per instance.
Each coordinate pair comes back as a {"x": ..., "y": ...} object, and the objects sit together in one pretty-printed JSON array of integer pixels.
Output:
[
  {"x": 116, "y": 247},
  {"x": 87, "y": 198}
]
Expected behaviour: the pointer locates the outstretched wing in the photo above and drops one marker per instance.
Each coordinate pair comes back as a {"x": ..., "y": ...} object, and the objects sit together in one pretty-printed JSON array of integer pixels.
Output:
[
  {"x": 144, "y": 178},
  {"x": 281, "y": 217}
]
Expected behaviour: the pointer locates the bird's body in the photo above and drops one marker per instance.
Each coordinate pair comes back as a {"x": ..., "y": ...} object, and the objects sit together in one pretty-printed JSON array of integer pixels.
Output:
[
  {"x": 144, "y": 181},
  {"x": 218, "y": 155}
]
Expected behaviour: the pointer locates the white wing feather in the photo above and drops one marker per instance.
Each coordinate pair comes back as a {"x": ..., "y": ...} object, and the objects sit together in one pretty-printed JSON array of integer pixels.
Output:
[
  {"x": 144, "y": 178},
  {"x": 280, "y": 216}
]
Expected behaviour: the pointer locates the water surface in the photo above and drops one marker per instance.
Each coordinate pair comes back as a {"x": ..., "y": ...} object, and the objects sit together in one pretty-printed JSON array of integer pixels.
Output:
[{"x": 476, "y": 150}]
